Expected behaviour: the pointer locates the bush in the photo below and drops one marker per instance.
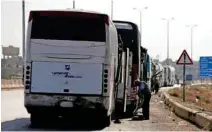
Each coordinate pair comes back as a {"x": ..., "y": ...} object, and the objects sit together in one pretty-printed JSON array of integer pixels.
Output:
[
  {"x": 174, "y": 94},
  {"x": 207, "y": 101},
  {"x": 198, "y": 97}
]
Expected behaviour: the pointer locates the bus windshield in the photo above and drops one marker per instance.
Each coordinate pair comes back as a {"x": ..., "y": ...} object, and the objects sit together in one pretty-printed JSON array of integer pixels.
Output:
[{"x": 128, "y": 34}]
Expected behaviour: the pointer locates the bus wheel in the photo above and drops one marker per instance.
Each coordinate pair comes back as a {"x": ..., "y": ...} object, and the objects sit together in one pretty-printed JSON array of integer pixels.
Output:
[
  {"x": 156, "y": 90},
  {"x": 35, "y": 120}
]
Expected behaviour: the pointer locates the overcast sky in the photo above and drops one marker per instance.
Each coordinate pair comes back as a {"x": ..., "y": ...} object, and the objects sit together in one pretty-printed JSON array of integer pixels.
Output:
[{"x": 153, "y": 28}]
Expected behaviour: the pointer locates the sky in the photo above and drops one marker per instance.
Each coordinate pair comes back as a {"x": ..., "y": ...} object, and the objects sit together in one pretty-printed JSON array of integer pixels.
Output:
[{"x": 154, "y": 29}]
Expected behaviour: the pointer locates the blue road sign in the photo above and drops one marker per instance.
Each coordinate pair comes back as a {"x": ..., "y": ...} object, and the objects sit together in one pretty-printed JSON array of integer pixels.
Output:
[
  {"x": 206, "y": 67},
  {"x": 189, "y": 77}
]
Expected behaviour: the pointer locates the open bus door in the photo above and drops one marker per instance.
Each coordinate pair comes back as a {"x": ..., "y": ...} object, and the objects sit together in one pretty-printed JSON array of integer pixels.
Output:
[{"x": 121, "y": 80}]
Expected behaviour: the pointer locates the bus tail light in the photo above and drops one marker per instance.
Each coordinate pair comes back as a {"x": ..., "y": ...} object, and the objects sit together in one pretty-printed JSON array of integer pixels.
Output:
[
  {"x": 28, "y": 71},
  {"x": 105, "y": 81}
]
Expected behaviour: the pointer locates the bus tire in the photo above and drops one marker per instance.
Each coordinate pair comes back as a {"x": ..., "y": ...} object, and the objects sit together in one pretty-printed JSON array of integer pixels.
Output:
[
  {"x": 35, "y": 120},
  {"x": 107, "y": 120}
]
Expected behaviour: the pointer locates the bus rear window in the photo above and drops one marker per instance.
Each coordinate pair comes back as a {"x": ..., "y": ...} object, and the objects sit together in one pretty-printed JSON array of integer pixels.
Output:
[{"x": 68, "y": 28}]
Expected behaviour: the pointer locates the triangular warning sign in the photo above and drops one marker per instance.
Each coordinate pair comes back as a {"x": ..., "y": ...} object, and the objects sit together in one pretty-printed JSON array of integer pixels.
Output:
[{"x": 184, "y": 59}]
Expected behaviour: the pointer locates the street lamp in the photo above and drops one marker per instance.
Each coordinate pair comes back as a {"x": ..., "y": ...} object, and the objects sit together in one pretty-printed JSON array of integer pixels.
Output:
[
  {"x": 140, "y": 66},
  {"x": 140, "y": 11},
  {"x": 168, "y": 21},
  {"x": 191, "y": 30}
]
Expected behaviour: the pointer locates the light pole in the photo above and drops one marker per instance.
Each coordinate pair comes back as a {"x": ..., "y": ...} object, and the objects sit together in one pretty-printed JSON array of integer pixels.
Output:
[
  {"x": 168, "y": 21},
  {"x": 191, "y": 31},
  {"x": 73, "y": 4},
  {"x": 140, "y": 66},
  {"x": 23, "y": 28},
  {"x": 23, "y": 37},
  {"x": 111, "y": 9},
  {"x": 140, "y": 11},
  {"x": 191, "y": 37}
]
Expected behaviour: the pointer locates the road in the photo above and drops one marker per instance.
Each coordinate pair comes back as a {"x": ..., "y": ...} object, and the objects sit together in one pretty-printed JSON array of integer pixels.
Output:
[{"x": 15, "y": 117}]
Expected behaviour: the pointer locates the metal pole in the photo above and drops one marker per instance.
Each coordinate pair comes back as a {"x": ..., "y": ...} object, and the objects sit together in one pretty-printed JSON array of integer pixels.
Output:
[
  {"x": 191, "y": 42},
  {"x": 73, "y": 4},
  {"x": 184, "y": 78},
  {"x": 191, "y": 48},
  {"x": 141, "y": 25},
  {"x": 112, "y": 9},
  {"x": 168, "y": 42},
  {"x": 139, "y": 64},
  {"x": 23, "y": 38},
  {"x": 23, "y": 29}
]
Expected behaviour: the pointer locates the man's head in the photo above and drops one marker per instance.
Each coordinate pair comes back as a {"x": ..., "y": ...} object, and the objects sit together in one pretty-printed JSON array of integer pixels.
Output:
[{"x": 137, "y": 82}]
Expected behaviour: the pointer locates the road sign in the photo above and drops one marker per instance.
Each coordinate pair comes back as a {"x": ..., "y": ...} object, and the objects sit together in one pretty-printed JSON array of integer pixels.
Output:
[
  {"x": 206, "y": 67},
  {"x": 189, "y": 77},
  {"x": 184, "y": 59}
]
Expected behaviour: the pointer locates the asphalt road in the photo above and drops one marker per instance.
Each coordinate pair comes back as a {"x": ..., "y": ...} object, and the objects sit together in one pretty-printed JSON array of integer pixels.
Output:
[{"x": 15, "y": 117}]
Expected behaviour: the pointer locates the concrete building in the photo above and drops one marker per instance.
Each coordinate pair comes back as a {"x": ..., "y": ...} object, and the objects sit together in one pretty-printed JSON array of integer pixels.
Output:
[{"x": 11, "y": 63}]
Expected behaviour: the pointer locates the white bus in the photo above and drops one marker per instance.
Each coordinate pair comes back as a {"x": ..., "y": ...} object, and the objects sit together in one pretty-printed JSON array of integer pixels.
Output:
[
  {"x": 169, "y": 75},
  {"x": 71, "y": 60},
  {"x": 130, "y": 36}
]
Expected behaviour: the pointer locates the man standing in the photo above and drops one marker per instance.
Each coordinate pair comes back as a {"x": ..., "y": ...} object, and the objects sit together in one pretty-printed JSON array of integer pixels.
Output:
[{"x": 145, "y": 94}]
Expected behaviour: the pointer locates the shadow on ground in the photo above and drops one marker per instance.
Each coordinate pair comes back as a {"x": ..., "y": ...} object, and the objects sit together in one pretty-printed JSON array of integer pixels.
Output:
[{"x": 23, "y": 124}]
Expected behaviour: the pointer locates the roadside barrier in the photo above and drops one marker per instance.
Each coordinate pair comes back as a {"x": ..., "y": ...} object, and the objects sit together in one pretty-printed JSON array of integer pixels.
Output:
[{"x": 11, "y": 84}]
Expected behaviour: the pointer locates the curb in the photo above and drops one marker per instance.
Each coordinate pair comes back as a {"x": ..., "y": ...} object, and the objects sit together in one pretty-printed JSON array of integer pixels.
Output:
[{"x": 197, "y": 117}]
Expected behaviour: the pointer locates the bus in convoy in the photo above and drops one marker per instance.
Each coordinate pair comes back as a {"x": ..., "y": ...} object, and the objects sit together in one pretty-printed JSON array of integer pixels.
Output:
[
  {"x": 169, "y": 75},
  {"x": 134, "y": 53},
  {"x": 157, "y": 76},
  {"x": 71, "y": 64}
]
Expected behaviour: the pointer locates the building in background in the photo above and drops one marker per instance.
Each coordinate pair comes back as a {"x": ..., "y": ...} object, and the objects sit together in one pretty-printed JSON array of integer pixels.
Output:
[{"x": 11, "y": 63}]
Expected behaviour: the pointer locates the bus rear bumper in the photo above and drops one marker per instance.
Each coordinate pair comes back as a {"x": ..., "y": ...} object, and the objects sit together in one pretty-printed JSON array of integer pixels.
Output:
[{"x": 64, "y": 104}]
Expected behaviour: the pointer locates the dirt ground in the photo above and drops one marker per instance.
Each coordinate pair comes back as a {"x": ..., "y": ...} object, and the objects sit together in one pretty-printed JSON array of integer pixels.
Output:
[{"x": 197, "y": 97}]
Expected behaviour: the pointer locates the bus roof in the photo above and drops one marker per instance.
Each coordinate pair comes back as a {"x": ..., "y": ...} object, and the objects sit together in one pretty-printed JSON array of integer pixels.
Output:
[
  {"x": 69, "y": 10},
  {"x": 128, "y": 22}
]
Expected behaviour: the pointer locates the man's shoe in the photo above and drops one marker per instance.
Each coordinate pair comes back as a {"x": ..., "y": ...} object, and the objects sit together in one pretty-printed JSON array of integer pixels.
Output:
[
  {"x": 145, "y": 118},
  {"x": 117, "y": 121}
]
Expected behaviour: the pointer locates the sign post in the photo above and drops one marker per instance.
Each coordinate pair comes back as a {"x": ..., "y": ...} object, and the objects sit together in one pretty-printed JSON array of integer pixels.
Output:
[
  {"x": 184, "y": 60},
  {"x": 184, "y": 78}
]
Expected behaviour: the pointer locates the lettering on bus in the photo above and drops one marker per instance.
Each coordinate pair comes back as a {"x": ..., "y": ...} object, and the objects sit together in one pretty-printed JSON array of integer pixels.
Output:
[{"x": 65, "y": 74}]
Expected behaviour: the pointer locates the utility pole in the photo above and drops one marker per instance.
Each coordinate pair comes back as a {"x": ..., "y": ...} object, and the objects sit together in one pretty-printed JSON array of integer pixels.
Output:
[
  {"x": 73, "y": 4},
  {"x": 167, "y": 24}
]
